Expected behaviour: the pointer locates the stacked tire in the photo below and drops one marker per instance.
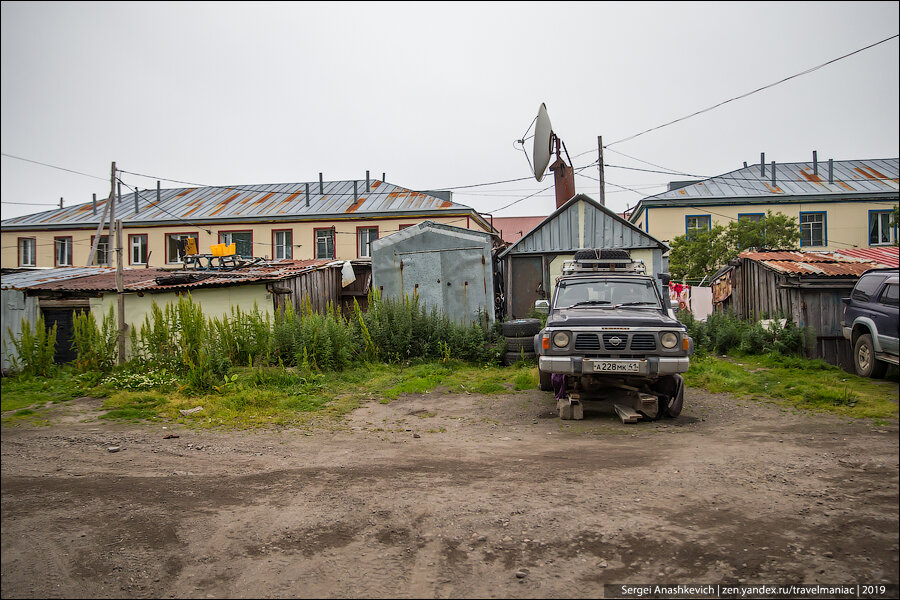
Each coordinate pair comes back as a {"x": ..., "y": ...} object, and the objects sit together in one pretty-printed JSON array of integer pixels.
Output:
[{"x": 519, "y": 335}]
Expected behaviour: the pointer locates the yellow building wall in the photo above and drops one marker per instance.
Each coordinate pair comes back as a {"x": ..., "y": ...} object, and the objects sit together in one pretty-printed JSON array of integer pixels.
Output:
[
  {"x": 214, "y": 301},
  {"x": 846, "y": 224},
  {"x": 303, "y": 234}
]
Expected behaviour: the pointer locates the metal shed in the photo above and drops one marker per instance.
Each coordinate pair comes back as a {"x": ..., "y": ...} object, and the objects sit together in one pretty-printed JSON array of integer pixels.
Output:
[
  {"x": 449, "y": 268},
  {"x": 532, "y": 264},
  {"x": 805, "y": 287}
]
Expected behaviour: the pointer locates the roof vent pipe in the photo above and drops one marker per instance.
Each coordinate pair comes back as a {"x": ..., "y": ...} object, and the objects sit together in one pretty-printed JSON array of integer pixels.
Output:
[
  {"x": 136, "y": 209},
  {"x": 382, "y": 177},
  {"x": 321, "y": 187},
  {"x": 773, "y": 173},
  {"x": 745, "y": 164},
  {"x": 762, "y": 164},
  {"x": 60, "y": 202},
  {"x": 355, "y": 194},
  {"x": 815, "y": 163},
  {"x": 157, "y": 191},
  {"x": 367, "y": 181},
  {"x": 307, "y": 195},
  {"x": 94, "y": 209},
  {"x": 830, "y": 170}
]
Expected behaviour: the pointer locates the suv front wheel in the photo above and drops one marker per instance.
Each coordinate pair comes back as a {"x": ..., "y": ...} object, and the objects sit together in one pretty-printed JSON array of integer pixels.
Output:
[{"x": 864, "y": 358}]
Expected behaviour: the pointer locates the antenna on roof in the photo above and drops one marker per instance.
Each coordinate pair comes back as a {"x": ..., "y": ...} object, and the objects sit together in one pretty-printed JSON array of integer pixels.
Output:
[{"x": 545, "y": 144}]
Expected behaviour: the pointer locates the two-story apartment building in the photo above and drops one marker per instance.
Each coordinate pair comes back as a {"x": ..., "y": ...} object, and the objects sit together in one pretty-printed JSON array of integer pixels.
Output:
[
  {"x": 316, "y": 220},
  {"x": 838, "y": 204}
]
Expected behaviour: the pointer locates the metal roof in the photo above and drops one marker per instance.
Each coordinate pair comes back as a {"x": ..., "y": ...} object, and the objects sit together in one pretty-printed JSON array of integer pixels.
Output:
[
  {"x": 144, "y": 280},
  {"x": 265, "y": 202},
  {"x": 875, "y": 176},
  {"x": 32, "y": 277},
  {"x": 825, "y": 264},
  {"x": 887, "y": 256}
]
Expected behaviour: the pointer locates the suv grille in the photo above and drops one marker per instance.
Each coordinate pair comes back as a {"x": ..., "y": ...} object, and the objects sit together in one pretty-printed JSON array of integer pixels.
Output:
[
  {"x": 643, "y": 341},
  {"x": 587, "y": 341},
  {"x": 615, "y": 341}
]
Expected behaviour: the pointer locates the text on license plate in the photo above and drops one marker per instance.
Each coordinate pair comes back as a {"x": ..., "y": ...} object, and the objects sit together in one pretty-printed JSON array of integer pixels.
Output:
[{"x": 617, "y": 367}]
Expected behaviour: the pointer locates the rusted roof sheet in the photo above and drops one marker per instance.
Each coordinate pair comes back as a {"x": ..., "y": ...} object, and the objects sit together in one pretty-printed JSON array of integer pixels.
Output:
[
  {"x": 32, "y": 277},
  {"x": 888, "y": 256},
  {"x": 825, "y": 264},
  {"x": 794, "y": 179},
  {"x": 249, "y": 202},
  {"x": 144, "y": 280}
]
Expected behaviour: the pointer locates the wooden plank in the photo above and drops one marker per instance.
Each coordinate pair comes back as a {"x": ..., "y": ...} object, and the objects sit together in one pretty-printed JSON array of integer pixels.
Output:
[{"x": 627, "y": 414}]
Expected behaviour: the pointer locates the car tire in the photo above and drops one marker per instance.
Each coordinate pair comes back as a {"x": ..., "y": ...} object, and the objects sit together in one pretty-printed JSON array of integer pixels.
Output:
[
  {"x": 515, "y": 344},
  {"x": 520, "y": 327},
  {"x": 670, "y": 390},
  {"x": 864, "y": 358},
  {"x": 511, "y": 358},
  {"x": 546, "y": 381}
]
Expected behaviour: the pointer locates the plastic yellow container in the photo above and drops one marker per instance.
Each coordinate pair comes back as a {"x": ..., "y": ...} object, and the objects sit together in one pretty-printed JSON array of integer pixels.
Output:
[{"x": 222, "y": 249}]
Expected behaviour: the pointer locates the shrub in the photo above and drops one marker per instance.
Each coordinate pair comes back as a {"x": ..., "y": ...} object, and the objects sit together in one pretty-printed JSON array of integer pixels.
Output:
[
  {"x": 95, "y": 346},
  {"x": 36, "y": 348}
]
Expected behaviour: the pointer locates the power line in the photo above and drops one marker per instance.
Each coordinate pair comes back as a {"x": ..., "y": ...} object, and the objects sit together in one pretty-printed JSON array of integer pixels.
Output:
[{"x": 52, "y": 166}]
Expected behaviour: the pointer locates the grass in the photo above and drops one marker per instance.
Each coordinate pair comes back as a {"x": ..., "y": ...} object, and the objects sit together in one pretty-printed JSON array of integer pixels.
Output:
[{"x": 811, "y": 385}]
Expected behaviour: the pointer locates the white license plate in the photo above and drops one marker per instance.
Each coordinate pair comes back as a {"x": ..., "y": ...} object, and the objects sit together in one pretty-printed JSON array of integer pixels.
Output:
[{"x": 627, "y": 366}]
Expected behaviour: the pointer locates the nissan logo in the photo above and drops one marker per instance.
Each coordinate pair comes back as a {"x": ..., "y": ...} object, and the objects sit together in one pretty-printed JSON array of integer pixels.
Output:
[{"x": 615, "y": 341}]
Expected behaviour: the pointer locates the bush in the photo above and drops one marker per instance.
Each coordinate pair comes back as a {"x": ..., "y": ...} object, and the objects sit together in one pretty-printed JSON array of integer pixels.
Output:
[
  {"x": 36, "y": 348},
  {"x": 95, "y": 346},
  {"x": 725, "y": 332}
]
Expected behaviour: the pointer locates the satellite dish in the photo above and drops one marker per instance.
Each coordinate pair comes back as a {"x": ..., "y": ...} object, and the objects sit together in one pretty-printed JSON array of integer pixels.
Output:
[{"x": 542, "y": 139}]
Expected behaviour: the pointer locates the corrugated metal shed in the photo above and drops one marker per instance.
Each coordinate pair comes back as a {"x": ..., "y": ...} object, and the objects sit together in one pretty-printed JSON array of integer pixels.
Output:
[
  {"x": 26, "y": 279},
  {"x": 794, "y": 179},
  {"x": 247, "y": 203}
]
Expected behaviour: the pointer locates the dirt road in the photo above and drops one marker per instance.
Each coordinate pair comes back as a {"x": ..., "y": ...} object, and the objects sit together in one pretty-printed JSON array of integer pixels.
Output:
[{"x": 445, "y": 495}]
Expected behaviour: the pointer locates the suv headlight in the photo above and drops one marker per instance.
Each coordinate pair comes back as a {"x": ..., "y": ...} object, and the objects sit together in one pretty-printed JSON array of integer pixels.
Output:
[
  {"x": 669, "y": 339},
  {"x": 560, "y": 339}
]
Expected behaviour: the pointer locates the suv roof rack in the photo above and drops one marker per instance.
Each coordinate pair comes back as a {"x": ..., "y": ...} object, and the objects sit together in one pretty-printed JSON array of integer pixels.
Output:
[{"x": 603, "y": 265}]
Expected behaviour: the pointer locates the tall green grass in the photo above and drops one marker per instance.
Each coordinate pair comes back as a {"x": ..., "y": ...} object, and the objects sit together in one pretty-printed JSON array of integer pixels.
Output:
[{"x": 35, "y": 348}]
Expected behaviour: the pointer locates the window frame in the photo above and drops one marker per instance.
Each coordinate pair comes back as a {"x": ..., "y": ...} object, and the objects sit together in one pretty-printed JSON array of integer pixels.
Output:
[
  {"x": 96, "y": 256},
  {"x": 168, "y": 236},
  {"x": 316, "y": 231},
  {"x": 20, "y": 247},
  {"x": 688, "y": 230},
  {"x": 289, "y": 246},
  {"x": 230, "y": 232},
  {"x": 892, "y": 231},
  {"x": 824, "y": 224},
  {"x": 131, "y": 237},
  {"x": 71, "y": 250},
  {"x": 359, "y": 229}
]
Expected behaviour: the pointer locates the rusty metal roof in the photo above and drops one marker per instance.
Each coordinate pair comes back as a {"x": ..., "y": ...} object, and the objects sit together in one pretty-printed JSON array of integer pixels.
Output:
[
  {"x": 824, "y": 264},
  {"x": 32, "y": 277},
  {"x": 247, "y": 203},
  {"x": 874, "y": 176},
  {"x": 888, "y": 256},
  {"x": 144, "y": 280}
]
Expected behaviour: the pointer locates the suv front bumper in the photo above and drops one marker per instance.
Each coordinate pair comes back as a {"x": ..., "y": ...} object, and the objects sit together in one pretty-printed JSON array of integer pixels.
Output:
[{"x": 652, "y": 366}]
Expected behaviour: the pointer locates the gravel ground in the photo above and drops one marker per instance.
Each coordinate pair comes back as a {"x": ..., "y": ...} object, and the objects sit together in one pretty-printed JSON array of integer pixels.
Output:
[{"x": 448, "y": 495}]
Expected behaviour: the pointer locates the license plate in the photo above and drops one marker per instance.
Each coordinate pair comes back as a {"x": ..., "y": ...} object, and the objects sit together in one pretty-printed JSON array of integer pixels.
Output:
[{"x": 624, "y": 366}]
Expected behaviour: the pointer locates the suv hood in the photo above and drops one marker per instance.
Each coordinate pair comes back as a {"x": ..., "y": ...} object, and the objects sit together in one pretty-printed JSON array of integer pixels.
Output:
[{"x": 618, "y": 317}]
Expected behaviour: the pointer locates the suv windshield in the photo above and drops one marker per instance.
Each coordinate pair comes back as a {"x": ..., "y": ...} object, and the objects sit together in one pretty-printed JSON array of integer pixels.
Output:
[{"x": 609, "y": 292}]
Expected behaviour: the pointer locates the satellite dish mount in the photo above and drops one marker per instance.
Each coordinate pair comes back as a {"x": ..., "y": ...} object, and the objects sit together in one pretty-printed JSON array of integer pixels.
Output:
[{"x": 546, "y": 144}]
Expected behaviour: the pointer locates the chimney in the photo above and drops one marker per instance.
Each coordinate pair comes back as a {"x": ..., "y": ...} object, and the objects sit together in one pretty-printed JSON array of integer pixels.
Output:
[
  {"x": 60, "y": 202},
  {"x": 367, "y": 181},
  {"x": 355, "y": 194},
  {"x": 321, "y": 187},
  {"x": 745, "y": 164},
  {"x": 830, "y": 170},
  {"x": 815, "y": 163},
  {"x": 307, "y": 195},
  {"x": 136, "y": 209},
  {"x": 94, "y": 209},
  {"x": 762, "y": 164},
  {"x": 158, "y": 195}
]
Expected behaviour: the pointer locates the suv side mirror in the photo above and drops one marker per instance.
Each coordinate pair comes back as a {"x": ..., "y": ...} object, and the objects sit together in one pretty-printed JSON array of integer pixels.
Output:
[{"x": 542, "y": 306}]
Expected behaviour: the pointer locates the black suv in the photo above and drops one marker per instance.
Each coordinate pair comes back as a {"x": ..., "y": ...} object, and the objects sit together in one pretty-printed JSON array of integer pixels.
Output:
[{"x": 870, "y": 321}]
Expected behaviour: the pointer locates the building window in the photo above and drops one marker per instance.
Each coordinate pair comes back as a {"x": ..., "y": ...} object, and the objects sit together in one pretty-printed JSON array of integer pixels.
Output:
[
  {"x": 175, "y": 246},
  {"x": 63, "y": 247},
  {"x": 27, "y": 252},
  {"x": 752, "y": 217},
  {"x": 812, "y": 229},
  {"x": 696, "y": 223},
  {"x": 137, "y": 249},
  {"x": 880, "y": 231},
  {"x": 102, "y": 255},
  {"x": 242, "y": 240},
  {"x": 324, "y": 243},
  {"x": 282, "y": 241},
  {"x": 364, "y": 238}
]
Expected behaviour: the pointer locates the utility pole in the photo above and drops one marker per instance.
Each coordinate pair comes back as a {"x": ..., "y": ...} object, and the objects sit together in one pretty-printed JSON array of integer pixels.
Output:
[
  {"x": 109, "y": 201},
  {"x": 120, "y": 291},
  {"x": 600, "y": 164}
]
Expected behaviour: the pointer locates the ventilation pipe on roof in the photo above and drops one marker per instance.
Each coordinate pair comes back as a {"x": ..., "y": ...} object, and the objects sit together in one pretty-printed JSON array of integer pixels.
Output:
[
  {"x": 773, "y": 173},
  {"x": 321, "y": 186},
  {"x": 745, "y": 164},
  {"x": 367, "y": 181},
  {"x": 382, "y": 177},
  {"x": 307, "y": 195},
  {"x": 118, "y": 192},
  {"x": 762, "y": 164},
  {"x": 830, "y": 170},
  {"x": 815, "y": 163},
  {"x": 136, "y": 209},
  {"x": 94, "y": 209},
  {"x": 60, "y": 202},
  {"x": 158, "y": 191},
  {"x": 355, "y": 194}
]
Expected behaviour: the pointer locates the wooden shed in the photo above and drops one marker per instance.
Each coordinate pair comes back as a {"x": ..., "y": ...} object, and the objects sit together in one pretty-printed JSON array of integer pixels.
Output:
[{"x": 805, "y": 287}]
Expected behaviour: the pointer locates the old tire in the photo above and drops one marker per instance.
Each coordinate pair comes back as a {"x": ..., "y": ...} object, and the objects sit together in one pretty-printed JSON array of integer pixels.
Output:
[
  {"x": 521, "y": 327},
  {"x": 511, "y": 358},
  {"x": 546, "y": 381},
  {"x": 671, "y": 396},
  {"x": 864, "y": 358},
  {"x": 515, "y": 344}
]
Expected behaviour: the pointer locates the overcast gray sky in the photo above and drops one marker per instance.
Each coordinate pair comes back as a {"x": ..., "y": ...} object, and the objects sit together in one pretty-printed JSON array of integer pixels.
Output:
[{"x": 433, "y": 94}]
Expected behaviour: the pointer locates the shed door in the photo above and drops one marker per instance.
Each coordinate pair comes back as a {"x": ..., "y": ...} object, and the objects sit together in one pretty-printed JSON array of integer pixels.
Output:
[
  {"x": 64, "y": 319},
  {"x": 527, "y": 279}
]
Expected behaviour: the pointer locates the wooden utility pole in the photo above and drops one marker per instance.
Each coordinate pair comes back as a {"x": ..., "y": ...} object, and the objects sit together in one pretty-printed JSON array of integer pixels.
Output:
[
  {"x": 600, "y": 163},
  {"x": 120, "y": 291}
]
